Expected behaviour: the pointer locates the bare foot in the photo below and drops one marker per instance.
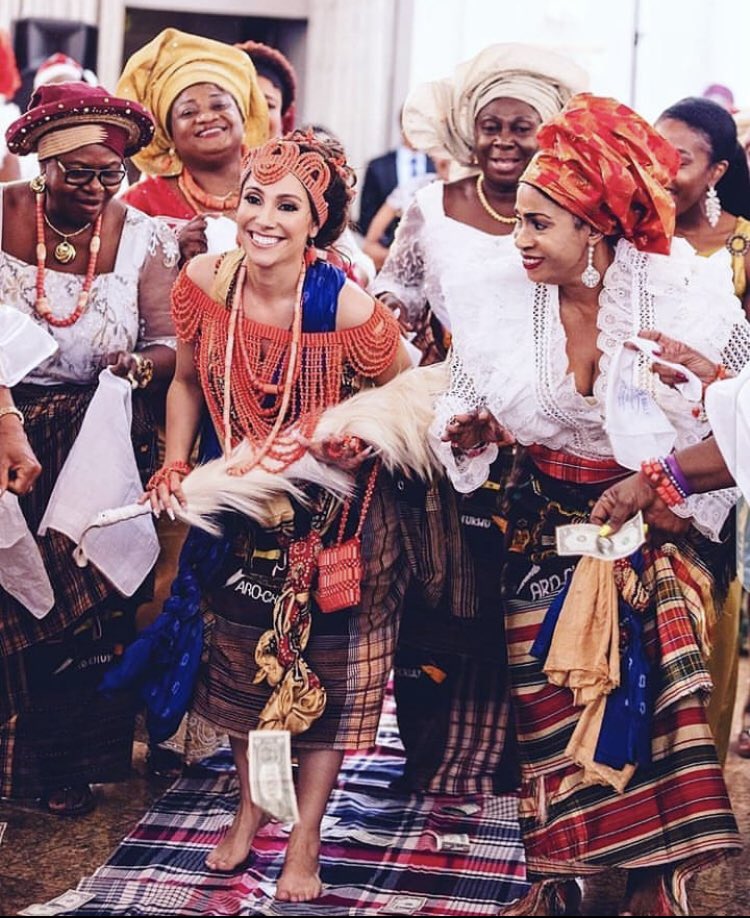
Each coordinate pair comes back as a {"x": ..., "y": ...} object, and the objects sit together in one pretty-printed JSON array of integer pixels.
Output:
[
  {"x": 235, "y": 847},
  {"x": 299, "y": 880}
]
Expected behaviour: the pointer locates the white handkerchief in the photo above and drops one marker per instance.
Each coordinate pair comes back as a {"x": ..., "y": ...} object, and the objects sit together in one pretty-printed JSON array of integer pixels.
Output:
[
  {"x": 728, "y": 410},
  {"x": 22, "y": 571},
  {"x": 23, "y": 345},
  {"x": 99, "y": 473},
  {"x": 691, "y": 389},
  {"x": 221, "y": 234},
  {"x": 637, "y": 427}
]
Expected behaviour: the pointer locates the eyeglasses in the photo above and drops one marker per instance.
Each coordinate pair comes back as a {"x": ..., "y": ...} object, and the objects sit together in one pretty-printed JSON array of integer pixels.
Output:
[{"x": 110, "y": 178}]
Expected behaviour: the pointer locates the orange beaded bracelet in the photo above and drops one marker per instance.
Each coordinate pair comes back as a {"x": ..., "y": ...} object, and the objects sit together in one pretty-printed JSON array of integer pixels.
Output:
[
  {"x": 658, "y": 475},
  {"x": 161, "y": 476}
]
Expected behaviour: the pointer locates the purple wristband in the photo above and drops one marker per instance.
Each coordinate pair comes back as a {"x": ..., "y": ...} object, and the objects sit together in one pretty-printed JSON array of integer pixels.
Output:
[{"x": 678, "y": 476}]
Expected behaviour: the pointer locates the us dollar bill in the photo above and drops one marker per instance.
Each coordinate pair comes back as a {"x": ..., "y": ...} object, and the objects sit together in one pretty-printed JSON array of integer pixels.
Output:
[
  {"x": 585, "y": 539},
  {"x": 71, "y": 899},
  {"x": 40, "y": 908},
  {"x": 271, "y": 781},
  {"x": 453, "y": 842},
  {"x": 66, "y": 902},
  {"x": 404, "y": 905}
]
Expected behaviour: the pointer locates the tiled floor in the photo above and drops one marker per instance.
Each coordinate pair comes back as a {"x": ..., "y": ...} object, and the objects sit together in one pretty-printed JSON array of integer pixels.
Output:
[{"x": 41, "y": 856}]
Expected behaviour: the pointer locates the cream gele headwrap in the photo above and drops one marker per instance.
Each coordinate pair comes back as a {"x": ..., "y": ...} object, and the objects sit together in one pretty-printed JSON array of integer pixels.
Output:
[
  {"x": 157, "y": 73},
  {"x": 439, "y": 117}
]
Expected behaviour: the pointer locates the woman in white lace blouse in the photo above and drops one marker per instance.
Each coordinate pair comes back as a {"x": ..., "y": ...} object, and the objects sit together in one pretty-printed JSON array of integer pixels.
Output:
[
  {"x": 96, "y": 275},
  {"x": 485, "y": 118},
  {"x": 626, "y": 776}
]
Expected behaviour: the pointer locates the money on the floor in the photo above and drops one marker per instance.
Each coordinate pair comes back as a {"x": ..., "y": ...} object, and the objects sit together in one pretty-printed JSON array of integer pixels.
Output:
[
  {"x": 461, "y": 809},
  {"x": 41, "y": 908},
  {"x": 369, "y": 838},
  {"x": 584, "y": 539},
  {"x": 68, "y": 901},
  {"x": 71, "y": 899},
  {"x": 452, "y": 842},
  {"x": 271, "y": 781},
  {"x": 404, "y": 905}
]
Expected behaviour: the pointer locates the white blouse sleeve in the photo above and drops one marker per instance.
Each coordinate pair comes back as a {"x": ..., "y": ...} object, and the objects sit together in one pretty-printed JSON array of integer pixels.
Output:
[
  {"x": 403, "y": 273},
  {"x": 157, "y": 274},
  {"x": 467, "y": 473}
]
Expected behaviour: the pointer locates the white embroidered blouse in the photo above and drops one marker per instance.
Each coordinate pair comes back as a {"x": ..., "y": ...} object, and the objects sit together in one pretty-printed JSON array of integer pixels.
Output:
[
  {"x": 128, "y": 308},
  {"x": 509, "y": 354},
  {"x": 431, "y": 251}
]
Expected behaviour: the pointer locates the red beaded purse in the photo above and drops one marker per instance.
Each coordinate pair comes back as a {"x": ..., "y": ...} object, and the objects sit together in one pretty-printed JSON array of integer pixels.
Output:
[{"x": 340, "y": 565}]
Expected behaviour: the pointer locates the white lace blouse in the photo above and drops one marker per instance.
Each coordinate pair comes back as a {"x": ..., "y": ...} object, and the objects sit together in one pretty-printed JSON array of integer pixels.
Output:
[
  {"x": 433, "y": 251},
  {"x": 509, "y": 353},
  {"x": 128, "y": 308}
]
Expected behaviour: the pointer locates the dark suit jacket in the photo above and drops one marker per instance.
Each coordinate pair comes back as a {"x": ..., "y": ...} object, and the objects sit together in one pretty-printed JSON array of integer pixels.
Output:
[{"x": 381, "y": 178}]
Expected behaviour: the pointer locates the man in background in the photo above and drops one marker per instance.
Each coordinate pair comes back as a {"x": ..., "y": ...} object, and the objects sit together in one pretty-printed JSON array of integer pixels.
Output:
[{"x": 383, "y": 174}]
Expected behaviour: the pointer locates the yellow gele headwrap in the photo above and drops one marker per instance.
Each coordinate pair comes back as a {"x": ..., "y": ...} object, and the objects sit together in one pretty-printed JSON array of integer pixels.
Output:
[{"x": 157, "y": 73}]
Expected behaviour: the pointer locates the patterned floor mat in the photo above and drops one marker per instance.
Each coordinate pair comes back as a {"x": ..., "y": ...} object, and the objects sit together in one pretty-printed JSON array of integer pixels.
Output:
[{"x": 381, "y": 850}]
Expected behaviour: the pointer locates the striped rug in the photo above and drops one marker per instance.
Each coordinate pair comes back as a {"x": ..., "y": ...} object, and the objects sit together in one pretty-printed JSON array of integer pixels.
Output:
[{"x": 379, "y": 853}]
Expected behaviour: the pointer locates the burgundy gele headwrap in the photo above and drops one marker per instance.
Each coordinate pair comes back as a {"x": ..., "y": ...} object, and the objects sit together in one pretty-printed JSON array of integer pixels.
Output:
[{"x": 273, "y": 160}]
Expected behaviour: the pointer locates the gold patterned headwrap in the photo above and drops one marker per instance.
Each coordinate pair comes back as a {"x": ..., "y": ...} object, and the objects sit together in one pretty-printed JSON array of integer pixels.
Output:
[
  {"x": 439, "y": 117},
  {"x": 157, "y": 74}
]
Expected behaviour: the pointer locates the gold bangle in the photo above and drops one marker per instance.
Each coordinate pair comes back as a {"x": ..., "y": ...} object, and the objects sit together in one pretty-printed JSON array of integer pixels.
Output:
[
  {"x": 144, "y": 372},
  {"x": 11, "y": 409}
]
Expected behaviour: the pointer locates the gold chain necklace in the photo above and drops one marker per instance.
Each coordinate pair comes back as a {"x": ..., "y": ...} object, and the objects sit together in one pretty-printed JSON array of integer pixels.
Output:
[
  {"x": 501, "y": 218},
  {"x": 64, "y": 251}
]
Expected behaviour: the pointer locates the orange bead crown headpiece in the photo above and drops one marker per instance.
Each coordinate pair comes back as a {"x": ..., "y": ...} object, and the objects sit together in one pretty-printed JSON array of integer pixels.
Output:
[{"x": 273, "y": 160}]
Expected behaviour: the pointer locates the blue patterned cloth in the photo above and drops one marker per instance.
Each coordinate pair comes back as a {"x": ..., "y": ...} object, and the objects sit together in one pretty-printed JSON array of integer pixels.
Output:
[{"x": 625, "y": 735}]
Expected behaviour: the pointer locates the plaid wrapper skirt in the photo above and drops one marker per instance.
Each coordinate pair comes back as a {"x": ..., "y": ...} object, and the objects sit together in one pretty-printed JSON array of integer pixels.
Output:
[
  {"x": 351, "y": 651},
  {"x": 55, "y": 728},
  {"x": 676, "y": 810},
  {"x": 451, "y": 675}
]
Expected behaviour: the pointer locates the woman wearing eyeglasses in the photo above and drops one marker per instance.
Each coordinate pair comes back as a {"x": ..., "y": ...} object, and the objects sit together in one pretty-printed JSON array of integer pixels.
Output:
[{"x": 96, "y": 275}]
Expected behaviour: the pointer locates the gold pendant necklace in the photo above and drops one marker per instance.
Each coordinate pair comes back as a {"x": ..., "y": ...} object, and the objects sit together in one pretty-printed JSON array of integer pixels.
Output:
[
  {"x": 501, "y": 218},
  {"x": 64, "y": 251}
]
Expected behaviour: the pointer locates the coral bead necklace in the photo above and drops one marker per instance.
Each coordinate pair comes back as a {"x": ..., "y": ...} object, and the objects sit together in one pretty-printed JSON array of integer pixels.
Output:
[
  {"x": 42, "y": 303},
  {"x": 202, "y": 201},
  {"x": 252, "y": 397}
]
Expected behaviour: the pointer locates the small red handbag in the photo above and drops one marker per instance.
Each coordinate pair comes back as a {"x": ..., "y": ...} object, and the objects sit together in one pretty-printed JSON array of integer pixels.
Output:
[{"x": 340, "y": 565}]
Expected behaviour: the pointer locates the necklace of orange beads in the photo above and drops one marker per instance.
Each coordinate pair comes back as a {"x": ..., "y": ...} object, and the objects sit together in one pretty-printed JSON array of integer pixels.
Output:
[
  {"x": 202, "y": 201},
  {"x": 42, "y": 306},
  {"x": 286, "y": 453}
]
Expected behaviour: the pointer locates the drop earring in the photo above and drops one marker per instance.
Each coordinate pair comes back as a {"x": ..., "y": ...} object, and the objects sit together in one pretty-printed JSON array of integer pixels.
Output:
[
  {"x": 311, "y": 253},
  {"x": 590, "y": 277},
  {"x": 713, "y": 206},
  {"x": 38, "y": 184}
]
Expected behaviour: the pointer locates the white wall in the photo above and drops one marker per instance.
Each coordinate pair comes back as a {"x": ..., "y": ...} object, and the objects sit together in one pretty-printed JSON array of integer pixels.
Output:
[
  {"x": 363, "y": 55},
  {"x": 683, "y": 44}
]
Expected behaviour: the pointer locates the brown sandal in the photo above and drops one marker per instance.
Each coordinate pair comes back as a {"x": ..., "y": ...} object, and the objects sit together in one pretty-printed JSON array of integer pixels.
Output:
[{"x": 75, "y": 800}]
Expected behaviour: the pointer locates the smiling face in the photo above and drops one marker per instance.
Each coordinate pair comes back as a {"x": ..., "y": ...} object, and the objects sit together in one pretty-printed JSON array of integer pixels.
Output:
[
  {"x": 505, "y": 140},
  {"x": 696, "y": 170},
  {"x": 76, "y": 205},
  {"x": 552, "y": 242},
  {"x": 205, "y": 124},
  {"x": 275, "y": 221}
]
